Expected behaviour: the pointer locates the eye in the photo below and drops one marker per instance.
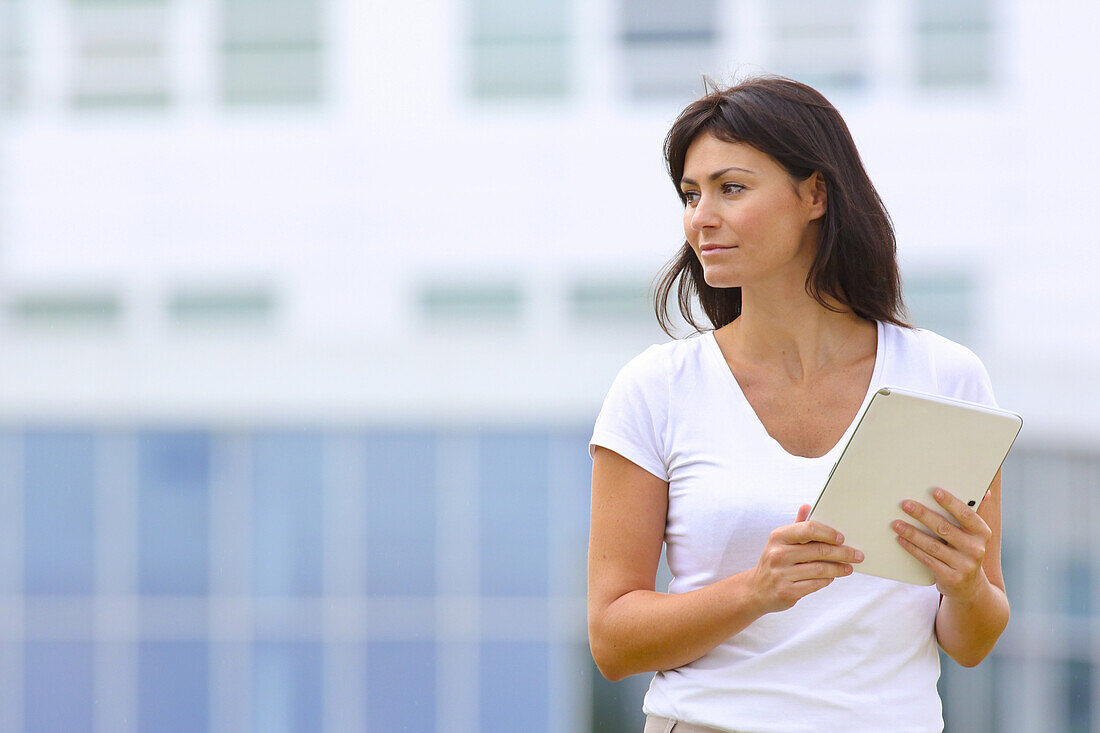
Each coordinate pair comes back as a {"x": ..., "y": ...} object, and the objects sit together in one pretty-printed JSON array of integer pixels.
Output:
[
  {"x": 691, "y": 197},
  {"x": 732, "y": 188}
]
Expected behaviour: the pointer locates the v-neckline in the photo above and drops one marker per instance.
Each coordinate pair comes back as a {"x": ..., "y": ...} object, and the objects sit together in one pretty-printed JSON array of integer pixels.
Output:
[{"x": 739, "y": 394}]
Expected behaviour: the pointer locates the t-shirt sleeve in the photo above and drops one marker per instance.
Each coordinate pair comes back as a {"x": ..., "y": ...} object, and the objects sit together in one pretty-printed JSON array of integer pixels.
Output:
[
  {"x": 634, "y": 418},
  {"x": 962, "y": 375}
]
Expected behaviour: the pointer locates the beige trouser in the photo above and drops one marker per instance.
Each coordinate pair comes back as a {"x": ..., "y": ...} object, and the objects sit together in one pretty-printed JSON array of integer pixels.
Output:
[{"x": 657, "y": 724}]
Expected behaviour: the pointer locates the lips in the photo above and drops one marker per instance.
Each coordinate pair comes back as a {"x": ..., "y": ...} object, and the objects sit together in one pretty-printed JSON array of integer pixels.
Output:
[{"x": 711, "y": 247}]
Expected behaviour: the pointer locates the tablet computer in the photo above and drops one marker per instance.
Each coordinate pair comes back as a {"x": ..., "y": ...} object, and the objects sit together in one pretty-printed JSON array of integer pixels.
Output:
[{"x": 905, "y": 444}]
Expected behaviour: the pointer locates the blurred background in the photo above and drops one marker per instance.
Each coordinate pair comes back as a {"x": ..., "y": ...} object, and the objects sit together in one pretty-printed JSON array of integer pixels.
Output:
[{"x": 307, "y": 308}]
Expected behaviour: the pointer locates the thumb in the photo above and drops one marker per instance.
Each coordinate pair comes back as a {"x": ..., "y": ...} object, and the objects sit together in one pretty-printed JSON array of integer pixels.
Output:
[{"x": 803, "y": 512}]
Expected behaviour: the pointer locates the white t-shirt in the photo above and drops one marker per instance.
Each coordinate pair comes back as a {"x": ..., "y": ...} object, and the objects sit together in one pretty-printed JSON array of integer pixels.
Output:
[{"x": 859, "y": 655}]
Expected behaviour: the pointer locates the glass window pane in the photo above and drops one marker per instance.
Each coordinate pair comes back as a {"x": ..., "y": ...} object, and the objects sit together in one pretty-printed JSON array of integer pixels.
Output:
[
  {"x": 58, "y": 692},
  {"x": 520, "y": 48},
  {"x": 401, "y": 519},
  {"x": 668, "y": 47},
  {"x": 514, "y": 681},
  {"x": 823, "y": 45},
  {"x": 272, "y": 51},
  {"x": 58, "y": 495},
  {"x": 954, "y": 42},
  {"x": 287, "y": 497},
  {"x": 513, "y": 520},
  {"x": 172, "y": 680},
  {"x": 173, "y": 481},
  {"x": 401, "y": 687},
  {"x": 120, "y": 53},
  {"x": 286, "y": 687},
  {"x": 943, "y": 302}
]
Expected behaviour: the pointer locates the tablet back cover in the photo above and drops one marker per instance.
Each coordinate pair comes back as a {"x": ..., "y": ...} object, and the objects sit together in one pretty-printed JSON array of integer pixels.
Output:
[{"x": 906, "y": 444}]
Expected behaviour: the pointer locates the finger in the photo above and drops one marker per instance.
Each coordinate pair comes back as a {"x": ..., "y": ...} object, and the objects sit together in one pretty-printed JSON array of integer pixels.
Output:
[
  {"x": 929, "y": 545},
  {"x": 812, "y": 570},
  {"x": 803, "y": 512},
  {"x": 936, "y": 523},
  {"x": 822, "y": 551},
  {"x": 938, "y": 567},
  {"x": 806, "y": 587},
  {"x": 967, "y": 517},
  {"x": 811, "y": 531}
]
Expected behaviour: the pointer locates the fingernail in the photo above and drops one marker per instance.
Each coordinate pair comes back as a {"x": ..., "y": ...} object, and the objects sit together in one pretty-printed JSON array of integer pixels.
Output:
[
  {"x": 859, "y": 556},
  {"x": 907, "y": 506},
  {"x": 938, "y": 493},
  {"x": 839, "y": 538},
  {"x": 899, "y": 526},
  {"x": 847, "y": 569}
]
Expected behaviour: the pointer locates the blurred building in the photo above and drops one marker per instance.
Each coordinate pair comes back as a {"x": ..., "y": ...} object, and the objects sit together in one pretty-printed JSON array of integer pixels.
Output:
[{"x": 307, "y": 308}]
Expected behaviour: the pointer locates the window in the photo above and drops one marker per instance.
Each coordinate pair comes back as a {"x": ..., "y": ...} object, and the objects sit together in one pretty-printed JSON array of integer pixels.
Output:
[
  {"x": 120, "y": 53},
  {"x": 286, "y": 679},
  {"x": 667, "y": 47},
  {"x": 65, "y": 310},
  {"x": 401, "y": 515},
  {"x": 13, "y": 54},
  {"x": 519, "y": 48},
  {"x": 954, "y": 42},
  {"x": 621, "y": 301},
  {"x": 58, "y": 687},
  {"x": 286, "y": 504},
  {"x": 400, "y": 680},
  {"x": 59, "y": 510},
  {"x": 272, "y": 51},
  {"x": 173, "y": 485},
  {"x": 513, "y": 510},
  {"x": 172, "y": 685},
  {"x": 448, "y": 302},
  {"x": 249, "y": 307},
  {"x": 942, "y": 302},
  {"x": 821, "y": 44}
]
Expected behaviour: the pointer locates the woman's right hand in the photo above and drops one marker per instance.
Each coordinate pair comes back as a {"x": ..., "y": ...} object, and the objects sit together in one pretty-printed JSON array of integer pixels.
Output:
[{"x": 799, "y": 559}]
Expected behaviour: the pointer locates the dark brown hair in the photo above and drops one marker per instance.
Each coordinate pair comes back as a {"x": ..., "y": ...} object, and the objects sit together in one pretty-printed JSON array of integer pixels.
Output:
[{"x": 856, "y": 259}]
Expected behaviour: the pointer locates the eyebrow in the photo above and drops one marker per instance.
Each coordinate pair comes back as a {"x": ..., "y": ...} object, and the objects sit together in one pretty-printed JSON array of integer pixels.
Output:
[{"x": 717, "y": 174}]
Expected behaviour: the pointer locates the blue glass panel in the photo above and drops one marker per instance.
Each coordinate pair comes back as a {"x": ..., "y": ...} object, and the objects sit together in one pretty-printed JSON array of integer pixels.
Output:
[
  {"x": 401, "y": 686},
  {"x": 287, "y": 499},
  {"x": 58, "y": 482},
  {"x": 515, "y": 677},
  {"x": 572, "y": 474},
  {"x": 173, "y": 481},
  {"x": 401, "y": 514},
  {"x": 58, "y": 693},
  {"x": 172, "y": 686},
  {"x": 513, "y": 514},
  {"x": 286, "y": 687}
]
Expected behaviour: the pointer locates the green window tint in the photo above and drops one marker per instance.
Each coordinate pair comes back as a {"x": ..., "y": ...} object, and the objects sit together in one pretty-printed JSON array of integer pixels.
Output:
[
  {"x": 272, "y": 52},
  {"x": 822, "y": 44},
  {"x": 471, "y": 302},
  {"x": 519, "y": 48},
  {"x": 120, "y": 53},
  {"x": 943, "y": 302},
  {"x": 13, "y": 54},
  {"x": 212, "y": 307},
  {"x": 615, "y": 301},
  {"x": 47, "y": 311},
  {"x": 667, "y": 47},
  {"x": 954, "y": 43}
]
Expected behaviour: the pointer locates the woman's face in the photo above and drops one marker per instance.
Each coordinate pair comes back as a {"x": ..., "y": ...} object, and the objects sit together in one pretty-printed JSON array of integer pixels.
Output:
[{"x": 748, "y": 221}]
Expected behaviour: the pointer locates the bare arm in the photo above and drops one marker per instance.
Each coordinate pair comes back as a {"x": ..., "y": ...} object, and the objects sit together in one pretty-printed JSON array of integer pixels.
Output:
[
  {"x": 634, "y": 629},
  {"x": 966, "y": 562}
]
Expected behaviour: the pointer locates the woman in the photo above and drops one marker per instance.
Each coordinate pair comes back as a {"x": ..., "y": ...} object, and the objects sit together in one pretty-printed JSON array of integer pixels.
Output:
[{"x": 717, "y": 445}]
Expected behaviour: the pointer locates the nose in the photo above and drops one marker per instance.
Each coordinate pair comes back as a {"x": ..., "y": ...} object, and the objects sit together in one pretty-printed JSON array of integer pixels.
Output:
[{"x": 703, "y": 216}]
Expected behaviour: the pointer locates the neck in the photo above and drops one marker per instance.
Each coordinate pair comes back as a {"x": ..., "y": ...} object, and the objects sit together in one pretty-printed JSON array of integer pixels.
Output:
[{"x": 794, "y": 332}]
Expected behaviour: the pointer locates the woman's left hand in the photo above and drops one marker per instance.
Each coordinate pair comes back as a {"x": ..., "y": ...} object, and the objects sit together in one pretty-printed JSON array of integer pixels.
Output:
[{"x": 953, "y": 554}]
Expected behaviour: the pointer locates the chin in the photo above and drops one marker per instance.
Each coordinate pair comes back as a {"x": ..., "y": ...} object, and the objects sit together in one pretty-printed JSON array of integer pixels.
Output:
[{"x": 717, "y": 280}]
